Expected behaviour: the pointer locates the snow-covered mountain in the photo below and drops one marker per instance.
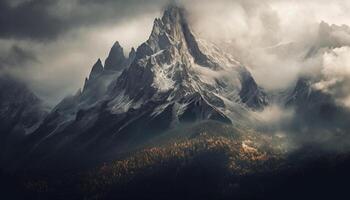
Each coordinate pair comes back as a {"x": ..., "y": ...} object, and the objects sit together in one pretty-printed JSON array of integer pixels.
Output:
[{"x": 171, "y": 79}]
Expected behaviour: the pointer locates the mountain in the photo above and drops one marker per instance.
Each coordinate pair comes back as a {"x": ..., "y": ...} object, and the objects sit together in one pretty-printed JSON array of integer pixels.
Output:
[
  {"x": 170, "y": 80},
  {"x": 21, "y": 113},
  {"x": 178, "y": 117}
]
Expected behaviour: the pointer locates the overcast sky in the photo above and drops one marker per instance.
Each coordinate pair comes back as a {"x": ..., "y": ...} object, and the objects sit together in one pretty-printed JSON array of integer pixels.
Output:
[{"x": 52, "y": 44}]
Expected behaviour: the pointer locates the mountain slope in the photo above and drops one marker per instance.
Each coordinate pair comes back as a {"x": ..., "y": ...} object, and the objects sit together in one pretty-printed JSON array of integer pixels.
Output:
[{"x": 21, "y": 112}]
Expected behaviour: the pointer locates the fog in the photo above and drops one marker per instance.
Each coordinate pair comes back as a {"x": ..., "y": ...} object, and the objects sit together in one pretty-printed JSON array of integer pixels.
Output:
[
  {"x": 335, "y": 72},
  {"x": 270, "y": 37}
]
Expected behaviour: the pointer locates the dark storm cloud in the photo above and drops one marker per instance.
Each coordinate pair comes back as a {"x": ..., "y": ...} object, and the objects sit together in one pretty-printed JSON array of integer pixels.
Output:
[
  {"x": 113, "y": 11},
  {"x": 48, "y": 19},
  {"x": 30, "y": 19}
]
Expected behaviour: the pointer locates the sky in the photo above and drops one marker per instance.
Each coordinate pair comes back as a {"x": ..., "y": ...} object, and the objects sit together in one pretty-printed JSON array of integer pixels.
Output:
[{"x": 52, "y": 44}]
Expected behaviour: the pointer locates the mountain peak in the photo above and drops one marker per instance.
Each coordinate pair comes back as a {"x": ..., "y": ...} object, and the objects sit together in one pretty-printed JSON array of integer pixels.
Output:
[
  {"x": 173, "y": 13},
  {"x": 173, "y": 30},
  {"x": 116, "y": 58},
  {"x": 132, "y": 52},
  {"x": 117, "y": 45},
  {"x": 97, "y": 69},
  {"x": 170, "y": 24}
]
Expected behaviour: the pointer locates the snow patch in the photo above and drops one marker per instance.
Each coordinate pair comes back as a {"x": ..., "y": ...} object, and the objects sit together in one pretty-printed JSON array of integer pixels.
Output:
[
  {"x": 162, "y": 80},
  {"x": 122, "y": 104}
]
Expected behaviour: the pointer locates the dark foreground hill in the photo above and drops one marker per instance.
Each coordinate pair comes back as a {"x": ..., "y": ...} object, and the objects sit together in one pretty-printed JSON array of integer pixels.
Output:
[{"x": 218, "y": 163}]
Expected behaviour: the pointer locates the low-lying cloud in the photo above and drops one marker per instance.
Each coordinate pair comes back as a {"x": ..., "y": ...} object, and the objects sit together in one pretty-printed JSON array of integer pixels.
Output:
[
  {"x": 275, "y": 115},
  {"x": 335, "y": 72},
  {"x": 269, "y": 37}
]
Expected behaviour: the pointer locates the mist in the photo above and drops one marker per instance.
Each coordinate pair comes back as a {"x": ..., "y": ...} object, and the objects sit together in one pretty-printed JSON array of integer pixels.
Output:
[{"x": 268, "y": 37}]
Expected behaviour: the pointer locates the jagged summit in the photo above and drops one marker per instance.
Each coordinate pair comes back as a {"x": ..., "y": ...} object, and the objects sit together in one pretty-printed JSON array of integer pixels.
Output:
[
  {"x": 174, "y": 69},
  {"x": 173, "y": 30},
  {"x": 132, "y": 52},
  {"x": 116, "y": 59},
  {"x": 97, "y": 69},
  {"x": 131, "y": 57}
]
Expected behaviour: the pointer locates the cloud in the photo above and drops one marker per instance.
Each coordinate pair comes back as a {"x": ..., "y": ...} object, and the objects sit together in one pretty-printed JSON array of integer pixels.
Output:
[
  {"x": 268, "y": 37},
  {"x": 29, "y": 19},
  {"x": 249, "y": 30},
  {"x": 44, "y": 20},
  {"x": 335, "y": 72},
  {"x": 275, "y": 115},
  {"x": 16, "y": 57}
]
